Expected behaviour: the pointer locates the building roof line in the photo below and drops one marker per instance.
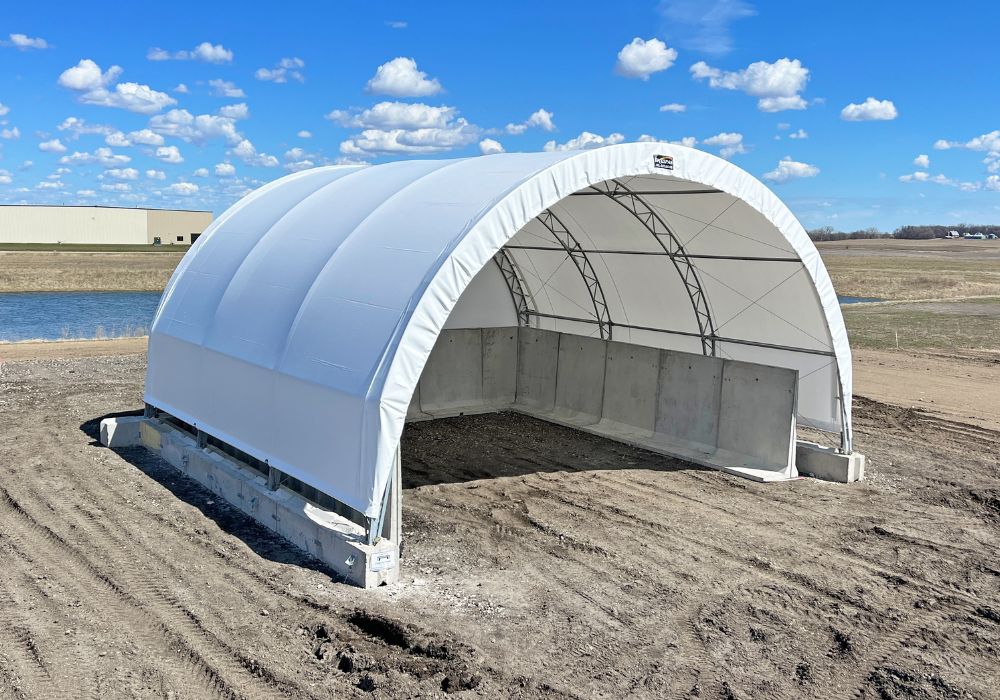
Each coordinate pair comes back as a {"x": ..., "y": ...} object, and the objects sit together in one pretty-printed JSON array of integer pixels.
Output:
[{"x": 105, "y": 206}]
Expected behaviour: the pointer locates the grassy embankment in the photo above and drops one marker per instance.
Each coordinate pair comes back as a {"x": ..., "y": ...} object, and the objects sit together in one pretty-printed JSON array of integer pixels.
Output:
[
  {"x": 70, "y": 271},
  {"x": 931, "y": 303}
]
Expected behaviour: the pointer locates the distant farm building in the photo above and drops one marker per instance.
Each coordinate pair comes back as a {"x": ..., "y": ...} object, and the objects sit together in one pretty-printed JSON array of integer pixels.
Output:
[{"x": 23, "y": 223}]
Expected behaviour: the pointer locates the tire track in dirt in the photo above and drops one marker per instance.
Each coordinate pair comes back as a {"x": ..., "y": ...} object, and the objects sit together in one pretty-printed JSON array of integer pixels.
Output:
[
  {"x": 70, "y": 504},
  {"x": 893, "y": 634},
  {"x": 805, "y": 539},
  {"x": 565, "y": 567},
  {"x": 17, "y": 640},
  {"x": 623, "y": 576},
  {"x": 148, "y": 587},
  {"x": 173, "y": 649},
  {"x": 153, "y": 516}
]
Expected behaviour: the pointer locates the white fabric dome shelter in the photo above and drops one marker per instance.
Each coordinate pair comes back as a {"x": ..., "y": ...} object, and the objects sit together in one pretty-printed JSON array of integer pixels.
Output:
[{"x": 297, "y": 327}]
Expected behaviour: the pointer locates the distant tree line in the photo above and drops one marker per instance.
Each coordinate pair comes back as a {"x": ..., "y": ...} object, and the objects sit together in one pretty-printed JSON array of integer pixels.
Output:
[
  {"x": 920, "y": 232},
  {"x": 828, "y": 233}
]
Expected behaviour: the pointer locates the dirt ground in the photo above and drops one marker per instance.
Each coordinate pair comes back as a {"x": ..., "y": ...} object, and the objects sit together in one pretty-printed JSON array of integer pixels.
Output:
[{"x": 539, "y": 562}]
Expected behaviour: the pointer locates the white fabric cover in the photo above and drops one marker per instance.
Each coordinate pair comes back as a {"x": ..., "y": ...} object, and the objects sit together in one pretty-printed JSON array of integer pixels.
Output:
[{"x": 297, "y": 327}]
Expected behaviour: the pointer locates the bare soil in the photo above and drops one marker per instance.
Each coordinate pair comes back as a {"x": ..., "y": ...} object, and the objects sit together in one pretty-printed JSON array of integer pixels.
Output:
[{"x": 539, "y": 562}]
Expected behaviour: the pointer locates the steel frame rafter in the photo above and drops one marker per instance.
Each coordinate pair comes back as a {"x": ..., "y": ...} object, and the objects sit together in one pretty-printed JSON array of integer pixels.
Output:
[
  {"x": 576, "y": 253},
  {"x": 512, "y": 276},
  {"x": 633, "y": 203}
]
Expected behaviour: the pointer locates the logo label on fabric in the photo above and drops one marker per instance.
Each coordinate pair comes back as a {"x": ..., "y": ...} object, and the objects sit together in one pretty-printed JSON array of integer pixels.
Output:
[{"x": 665, "y": 162}]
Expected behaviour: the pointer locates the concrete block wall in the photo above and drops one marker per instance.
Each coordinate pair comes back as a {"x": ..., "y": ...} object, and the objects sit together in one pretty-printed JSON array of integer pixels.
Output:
[
  {"x": 336, "y": 541},
  {"x": 729, "y": 415}
]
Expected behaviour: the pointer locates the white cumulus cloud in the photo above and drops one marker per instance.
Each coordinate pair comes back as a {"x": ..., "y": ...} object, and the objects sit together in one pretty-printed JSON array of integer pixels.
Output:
[
  {"x": 169, "y": 154},
  {"x": 642, "y": 57},
  {"x": 869, "y": 110},
  {"x": 247, "y": 152},
  {"x": 729, "y": 143},
  {"x": 102, "y": 156},
  {"x": 225, "y": 169},
  {"x": 922, "y": 161},
  {"x": 405, "y": 129},
  {"x": 53, "y": 146},
  {"x": 205, "y": 52},
  {"x": 286, "y": 68},
  {"x": 489, "y": 146},
  {"x": 400, "y": 77},
  {"x": 225, "y": 88},
  {"x": 156, "y": 174},
  {"x": 775, "y": 85},
  {"x": 789, "y": 169},
  {"x": 11, "y": 133},
  {"x": 540, "y": 118},
  {"x": 181, "y": 124},
  {"x": 395, "y": 115},
  {"x": 25, "y": 42},
  {"x": 674, "y": 107},
  {"x": 185, "y": 189},
  {"x": 236, "y": 111},
  {"x": 585, "y": 140},
  {"x": 303, "y": 134},
  {"x": 95, "y": 87},
  {"x": 122, "y": 173}
]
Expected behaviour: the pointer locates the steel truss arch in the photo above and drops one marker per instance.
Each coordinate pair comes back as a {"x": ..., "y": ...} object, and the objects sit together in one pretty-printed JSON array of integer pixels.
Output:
[
  {"x": 575, "y": 251},
  {"x": 512, "y": 277},
  {"x": 632, "y": 202}
]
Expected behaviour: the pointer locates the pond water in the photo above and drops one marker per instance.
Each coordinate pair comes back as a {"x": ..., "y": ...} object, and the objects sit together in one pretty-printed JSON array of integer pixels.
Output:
[
  {"x": 60, "y": 315},
  {"x": 856, "y": 300}
]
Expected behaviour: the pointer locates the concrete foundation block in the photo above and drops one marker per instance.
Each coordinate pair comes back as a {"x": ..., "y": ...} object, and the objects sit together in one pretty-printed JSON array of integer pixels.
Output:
[
  {"x": 120, "y": 432},
  {"x": 499, "y": 366},
  {"x": 827, "y": 464},
  {"x": 453, "y": 375},
  {"x": 334, "y": 540},
  {"x": 756, "y": 414},
  {"x": 149, "y": 437},
  {"x": 537, "y": 360},
  {"x": 688, "y": 398},
  {"x": 580, "y": 379},
  {"x": 630, "y": 386}
]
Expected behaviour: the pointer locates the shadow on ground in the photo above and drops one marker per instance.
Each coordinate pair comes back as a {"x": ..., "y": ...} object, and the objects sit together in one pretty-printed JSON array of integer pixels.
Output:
[
  {"x": 439, "y": 452},
  {"x": 230, "y": 519}
]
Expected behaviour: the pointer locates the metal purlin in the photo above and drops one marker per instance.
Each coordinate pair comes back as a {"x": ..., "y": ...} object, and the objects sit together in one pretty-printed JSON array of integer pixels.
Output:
[
  {"x": 576, "y": 253},
  {"x": 640, "y": 209},
  {"x": 512, "y": 276}
]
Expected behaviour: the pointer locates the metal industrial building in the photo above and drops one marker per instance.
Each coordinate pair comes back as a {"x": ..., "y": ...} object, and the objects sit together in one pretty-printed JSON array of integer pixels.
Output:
[{"x": 29, "y": 223}]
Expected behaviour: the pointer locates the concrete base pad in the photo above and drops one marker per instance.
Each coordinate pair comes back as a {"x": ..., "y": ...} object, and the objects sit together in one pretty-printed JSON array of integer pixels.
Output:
[
  {"x": 334, "y": 540},
  {"x": 828, "y": 464}
]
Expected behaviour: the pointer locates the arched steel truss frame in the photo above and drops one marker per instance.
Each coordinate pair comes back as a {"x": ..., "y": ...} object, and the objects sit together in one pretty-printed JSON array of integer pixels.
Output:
[
  {"x": 574, "y": 250},
  {"x": 640, "y": 209},
  {"x": 512, "y": 276}
]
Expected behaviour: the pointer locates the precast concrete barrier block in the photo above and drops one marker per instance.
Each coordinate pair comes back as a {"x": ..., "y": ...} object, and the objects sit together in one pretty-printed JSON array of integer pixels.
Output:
[
  {"x": 122, "y": 431},
  {"x": 334, "y": 540},
  {"x": 812, "y": 459}
]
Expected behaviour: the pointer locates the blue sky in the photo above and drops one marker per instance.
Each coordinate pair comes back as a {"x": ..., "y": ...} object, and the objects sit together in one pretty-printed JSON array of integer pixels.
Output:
[{"x": 856, "y": 114}]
